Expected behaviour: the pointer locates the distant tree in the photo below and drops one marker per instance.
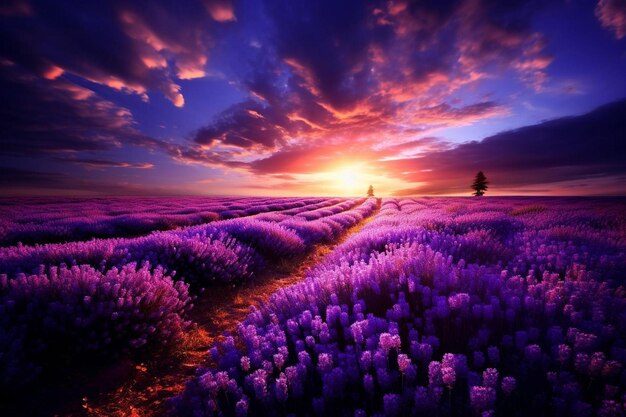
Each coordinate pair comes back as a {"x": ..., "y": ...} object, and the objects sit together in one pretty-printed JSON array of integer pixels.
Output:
[
  {"x": 480, "y": 184},
  {"x": 370, "y": 191}
]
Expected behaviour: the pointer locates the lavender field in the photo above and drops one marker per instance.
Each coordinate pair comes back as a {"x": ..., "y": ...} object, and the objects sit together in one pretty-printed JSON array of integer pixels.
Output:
[
  {"x": 419, "y": 306},
  {"x": 43, "y": 220}
]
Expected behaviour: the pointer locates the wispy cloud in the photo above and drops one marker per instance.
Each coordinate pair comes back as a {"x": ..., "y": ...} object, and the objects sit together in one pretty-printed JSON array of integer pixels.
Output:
[
  {"x": 103, "y": 163},
  {"x": 612, "y": 15}
]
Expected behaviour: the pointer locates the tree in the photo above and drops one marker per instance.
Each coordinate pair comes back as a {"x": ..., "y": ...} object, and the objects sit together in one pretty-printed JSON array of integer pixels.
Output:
[
  {"x": 370, "y": 191},
  {"x": 480, "y": 184}
]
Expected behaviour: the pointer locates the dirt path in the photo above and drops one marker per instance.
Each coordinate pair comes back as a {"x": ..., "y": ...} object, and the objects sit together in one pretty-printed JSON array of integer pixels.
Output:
[{"x": 215, "y": 312}]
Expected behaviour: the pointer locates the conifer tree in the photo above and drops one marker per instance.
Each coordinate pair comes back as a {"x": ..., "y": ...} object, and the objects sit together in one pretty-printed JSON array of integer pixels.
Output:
[{"x": 480, "y": 184}]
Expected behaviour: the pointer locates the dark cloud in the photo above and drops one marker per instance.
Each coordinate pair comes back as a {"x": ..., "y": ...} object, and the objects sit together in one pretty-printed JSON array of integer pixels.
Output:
[
  {"x": 47, "y": 116},
  {"x": 132, "y": 46},
  {"x": 246, "y": 125},
  {"x": 331, "y": 69},
  {"x": 15, "y": 181},
  {"x": 13, "y": 178},
  {"x": 103, "y": 163},
  {"x": 590, "y": 146},
  {"x": 329, "y": 41},
  {"x": 340, "y": 70},
  {"x": 46, "y": 123}
]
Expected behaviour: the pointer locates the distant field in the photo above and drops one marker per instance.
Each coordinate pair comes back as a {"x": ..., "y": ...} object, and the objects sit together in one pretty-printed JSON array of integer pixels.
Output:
[
  {"x": 418, "y": 306},
  {"x": 46, "y": 220}
]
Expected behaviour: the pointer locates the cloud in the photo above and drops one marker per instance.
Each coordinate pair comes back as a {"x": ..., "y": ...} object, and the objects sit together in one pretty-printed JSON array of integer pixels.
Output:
[
  {"x": 612, "y": 16},
  {"x": 134, "y": 47},
  {"x": 13, "y": 178},
  {"x": 15, "y": 181},
  {"x": 103, "y": 163},
  {"x": 570, "y": 149},
  {"x": 246, "y": 125},
  {"x": 312, "y": 158},
  {"x": 55, "y": 116},
  {"x": 368, "y": 71},
  {"x": 327, "y": 84},
  {"x": 425, "y": 144},
  {"x": 221, "y": 11},
  {"x": 56, "y": 120}
]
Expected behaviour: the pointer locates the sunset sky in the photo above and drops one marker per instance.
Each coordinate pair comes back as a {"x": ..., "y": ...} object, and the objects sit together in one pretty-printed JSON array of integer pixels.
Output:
[{"x": 304, "y": 97}]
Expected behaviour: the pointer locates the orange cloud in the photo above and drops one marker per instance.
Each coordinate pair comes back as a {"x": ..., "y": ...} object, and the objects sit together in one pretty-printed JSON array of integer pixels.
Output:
[
  {"x": 53, "y": 72},
  {"x": 221, "y": 11}
]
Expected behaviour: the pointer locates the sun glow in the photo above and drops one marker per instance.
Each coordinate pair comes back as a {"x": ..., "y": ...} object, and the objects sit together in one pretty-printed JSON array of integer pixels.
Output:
[{"x": 350, "y": 180}]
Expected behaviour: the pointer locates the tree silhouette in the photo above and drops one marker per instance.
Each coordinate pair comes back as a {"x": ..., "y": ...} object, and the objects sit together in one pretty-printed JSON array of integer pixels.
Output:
[
  {"x": 480, "y": 184},
  {"x": 370, "y": 191}
]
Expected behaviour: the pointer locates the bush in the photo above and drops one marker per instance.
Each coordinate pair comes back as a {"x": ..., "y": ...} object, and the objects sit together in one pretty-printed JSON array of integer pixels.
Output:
[{"x": 72, "y": 317}]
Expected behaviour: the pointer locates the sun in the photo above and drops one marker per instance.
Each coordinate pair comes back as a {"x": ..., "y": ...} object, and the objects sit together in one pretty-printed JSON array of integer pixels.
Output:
[{"x": 350, "y": 179}]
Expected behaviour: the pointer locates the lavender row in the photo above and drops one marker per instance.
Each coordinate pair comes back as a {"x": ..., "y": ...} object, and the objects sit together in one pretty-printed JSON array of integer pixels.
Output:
[
  {"x": 80, "y": 317},
  {"x": 435, "y": 308},
  {"x": 223, "y": 252},
  {"x": 31, "y": 223},
  {"x": 123, "y": 311}
]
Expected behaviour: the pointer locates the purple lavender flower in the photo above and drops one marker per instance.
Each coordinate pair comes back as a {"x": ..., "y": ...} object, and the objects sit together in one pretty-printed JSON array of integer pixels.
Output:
[
  {"x": 434, "y": 373},
  {"x": 366, "y": 360},
  {"x": 563, "y": 354},
  {"x": 611, "y": 408},
  {"x": 533, "y": 353},
  {"x": 422, "y": 399},
  {"x": 281, "y": 388},
  {"x": 304, "y": 358},
  {"x": 392, "y": 404},
  {"x": 401, "y": 275},
  {"x": 403, "y": 362},
  {"x": 508, "y": 385},
  {"x": 482, "y": 398},
  {"x": 584, "y": 341},
  {"x": 245, "y": 363},
  {"x": 597, "y": 363},
  {"x": 279, "y": 360},
  {"x": 490, "y": 377},
  {"x": 242, "y": 408},
  {"x": 493, "y": 353},
  {"x": 259, "y": 382},
  {"x": 448, "y": 376},
  {"x": 388, "y": 342},
  {"x": 459, "y": 301},
  {"x": 611, "y": 369},
  {"x": 581, "y": 362},
  {"x": 325, "y": 362}
]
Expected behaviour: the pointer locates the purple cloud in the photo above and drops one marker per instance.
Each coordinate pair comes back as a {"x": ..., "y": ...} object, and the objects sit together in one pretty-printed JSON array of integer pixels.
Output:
[
  {"x": 135, "y": 47},
  {"x": 577, "y": 148},
  {"x": 612, "y": 16}
]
